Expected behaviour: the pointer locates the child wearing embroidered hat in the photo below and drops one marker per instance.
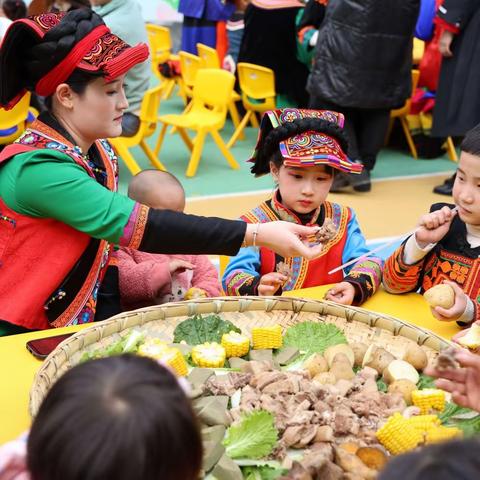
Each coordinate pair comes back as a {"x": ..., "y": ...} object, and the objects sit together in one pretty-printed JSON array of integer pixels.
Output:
[{"x": 302, "y": 149}]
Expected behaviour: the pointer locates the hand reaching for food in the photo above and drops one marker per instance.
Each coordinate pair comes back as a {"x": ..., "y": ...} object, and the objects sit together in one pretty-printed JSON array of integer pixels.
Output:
[
  {"x": 464, "y": 382},
  {"x": 270, "y": 283},
  {"x": 343, "y": 293},
  {"x": 177, "y": 265}
]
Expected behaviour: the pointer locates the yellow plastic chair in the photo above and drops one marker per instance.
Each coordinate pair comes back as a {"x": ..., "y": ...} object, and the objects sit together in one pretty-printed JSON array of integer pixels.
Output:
[
  {"x": 222, "y": 265},
  {"x": 257, "y": 85},
  {"x": 211, "y": 93},
  {"x": 160, "y": 43},
  {"x": 189, "y": 66},
  {"x": 148, "y": 124},
  {"x": 451, "y": 152},
  {"x": 401, "y": 114},
  {"x": 418, "y": 49},
  {"x": 209, "y": 59},
  {"x": 208, "y": 56},
  {"x": 16, "y": 118}
]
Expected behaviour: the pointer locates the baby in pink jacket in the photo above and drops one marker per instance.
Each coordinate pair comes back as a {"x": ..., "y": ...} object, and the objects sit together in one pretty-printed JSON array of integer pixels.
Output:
[{"x": 149, "y": 278}]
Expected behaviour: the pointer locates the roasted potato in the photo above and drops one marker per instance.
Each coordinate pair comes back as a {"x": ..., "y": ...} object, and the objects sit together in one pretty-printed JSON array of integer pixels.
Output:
[{"x": 441, "y": 295}]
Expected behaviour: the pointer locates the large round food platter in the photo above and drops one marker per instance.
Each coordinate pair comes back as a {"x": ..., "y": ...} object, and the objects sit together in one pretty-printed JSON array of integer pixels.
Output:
[{"x": 316, "y": 404}]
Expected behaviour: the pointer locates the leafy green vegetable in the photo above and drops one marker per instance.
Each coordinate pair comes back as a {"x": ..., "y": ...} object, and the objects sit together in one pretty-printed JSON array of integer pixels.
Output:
[
  {"x": 469, "y": 426},
  {"x": 381, "y": 385},
  {"x": 425, "y": 382},
  {"x": 132, "y": 341},
  {"x": 262, "y": 473},
  {"x": 451, "y": 410},
  {"x": 127, "y": 344},
  {"x": 197, "y": 329},
  {"x": 254, "y": 437},
  {"x": 313, "y": 337}
]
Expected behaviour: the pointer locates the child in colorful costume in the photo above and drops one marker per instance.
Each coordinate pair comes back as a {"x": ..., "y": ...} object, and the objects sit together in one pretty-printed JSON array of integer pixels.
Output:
[
  {"x": 446, "y": 245},
  {"x": 301, "y": 149}
]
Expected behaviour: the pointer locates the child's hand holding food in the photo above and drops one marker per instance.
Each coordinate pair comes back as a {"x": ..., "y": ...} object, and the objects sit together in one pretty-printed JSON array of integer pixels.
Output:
[
  {"x": 343, "y": 293},
  {"x": 434, "y": 226},
  {"x": 270, "y": 283},
  {"x": 447, "y": 301}
]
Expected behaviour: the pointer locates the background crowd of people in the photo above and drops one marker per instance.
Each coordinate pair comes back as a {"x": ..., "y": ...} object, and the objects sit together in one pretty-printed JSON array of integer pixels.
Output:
[{"x": 350, "y": 63}]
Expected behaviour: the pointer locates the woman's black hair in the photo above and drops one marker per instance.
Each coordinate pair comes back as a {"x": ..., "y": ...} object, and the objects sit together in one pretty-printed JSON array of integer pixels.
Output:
[
  {"x": 455, "y": 460},
  {"x": 269, "y": 148},
  {"x": 471, "y": 142},
  {"x": 14, "y": 9},
  {"x": 119, "y": 418}
]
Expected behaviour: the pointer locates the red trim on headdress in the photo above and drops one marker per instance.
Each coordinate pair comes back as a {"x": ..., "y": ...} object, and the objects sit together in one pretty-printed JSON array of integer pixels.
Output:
[
  {"x": 125, "y": 61},
  {"x": 46, "y": 86}
]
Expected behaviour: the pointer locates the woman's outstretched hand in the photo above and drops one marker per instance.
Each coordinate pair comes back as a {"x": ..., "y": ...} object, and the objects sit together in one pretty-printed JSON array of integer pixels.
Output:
[{"x": 286, "y": 238}]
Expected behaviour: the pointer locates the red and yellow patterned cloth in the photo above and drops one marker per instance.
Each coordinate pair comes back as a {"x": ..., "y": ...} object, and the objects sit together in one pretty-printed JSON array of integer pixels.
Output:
[
  {"x": 307, "y": 148},
  {"x": 98, "y": 51}
]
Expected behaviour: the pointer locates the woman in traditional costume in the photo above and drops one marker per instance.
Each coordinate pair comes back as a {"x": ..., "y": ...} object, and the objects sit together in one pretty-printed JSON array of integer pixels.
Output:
[{"x": 60, "y": 213}]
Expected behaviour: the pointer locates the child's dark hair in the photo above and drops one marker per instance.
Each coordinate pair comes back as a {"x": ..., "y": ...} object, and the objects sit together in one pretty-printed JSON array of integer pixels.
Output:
[
  {"x": 471, "y": 142},
  {"x": 14, "y": 9},
  {"x": 269, "y": 150},
  {"x": 456, "y": 460},
  {"x": 119, "y": 418}
]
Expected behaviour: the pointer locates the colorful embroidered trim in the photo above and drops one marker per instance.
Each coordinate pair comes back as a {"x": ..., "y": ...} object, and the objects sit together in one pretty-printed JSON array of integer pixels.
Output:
[
  {"x": 47, "y": 85},
  {"x": 238, "y": 280},
  {"x": 135, "y": 227}
]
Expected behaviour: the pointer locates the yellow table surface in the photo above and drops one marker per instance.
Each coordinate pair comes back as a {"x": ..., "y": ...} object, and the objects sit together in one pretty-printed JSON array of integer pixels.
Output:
[
  {"x": 18, "y": 366},
  {"x": 17, "y": 369},
  {"x": 410, "y": 307}
]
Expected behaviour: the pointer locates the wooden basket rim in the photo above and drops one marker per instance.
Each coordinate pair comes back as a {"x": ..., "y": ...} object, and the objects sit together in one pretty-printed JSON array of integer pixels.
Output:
[{"x": 140, "y": 317}]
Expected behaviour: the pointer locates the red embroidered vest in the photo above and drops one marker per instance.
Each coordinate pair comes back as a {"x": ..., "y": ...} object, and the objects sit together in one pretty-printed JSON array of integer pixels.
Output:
[
  {"x": 37, "y": 255},
  {"x": 306, "y": 273}
]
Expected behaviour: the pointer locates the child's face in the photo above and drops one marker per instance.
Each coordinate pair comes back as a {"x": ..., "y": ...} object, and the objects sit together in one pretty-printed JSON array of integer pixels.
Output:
[
  {"x": 466, "y": 189},
  {"x": 302, "y": 189}
]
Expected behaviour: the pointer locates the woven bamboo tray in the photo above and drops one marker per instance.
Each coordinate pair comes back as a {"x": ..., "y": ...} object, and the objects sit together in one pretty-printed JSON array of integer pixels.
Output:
[{"x": 358, "y": 325}]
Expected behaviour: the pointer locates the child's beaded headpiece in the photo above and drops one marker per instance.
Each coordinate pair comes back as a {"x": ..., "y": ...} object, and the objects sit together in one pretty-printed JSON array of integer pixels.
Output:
[
  {"x": 315, "y": 142},
  {"x": 98, "y": 51}
]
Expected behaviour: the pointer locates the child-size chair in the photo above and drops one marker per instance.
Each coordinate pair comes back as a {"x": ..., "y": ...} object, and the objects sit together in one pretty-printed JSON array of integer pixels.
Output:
[
  {"x": 189, "y": 66},
  {"x": 211, "y": 93},
  {"x": 209, "y": 59},
  {"x": 148, "y": 124},
  {"x": 257, "y": 85},
  {"x": 401, "y": 113},
  {"x": 13, "y": 122},
  {"x": 160, "y": 43}
]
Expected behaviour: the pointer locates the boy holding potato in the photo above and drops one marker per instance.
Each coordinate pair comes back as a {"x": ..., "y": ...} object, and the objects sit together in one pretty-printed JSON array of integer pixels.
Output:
[{"x": 445, "y": 248}]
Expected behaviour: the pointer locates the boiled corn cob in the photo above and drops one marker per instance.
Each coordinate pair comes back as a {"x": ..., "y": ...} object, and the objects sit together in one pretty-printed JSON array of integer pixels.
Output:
[
  {"x": 429, "y": 398},
  {"x": 209, "y": 355},
  {"x": 235, "y": 344},
  {"x": 398, "y": 436},
  {"x": 424, "y": 423},
  {"x": 442, "y": 434},
  {"x": 175, "y": 360},
  {"x": 158, "y": 350},
  {"x": 153, "y": 347},
  {"x": 267, "y": 337}
]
